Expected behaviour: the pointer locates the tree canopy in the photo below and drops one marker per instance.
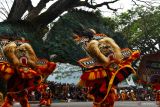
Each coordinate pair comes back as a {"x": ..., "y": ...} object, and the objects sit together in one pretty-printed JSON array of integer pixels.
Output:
[{"x": 141, "y": 28}]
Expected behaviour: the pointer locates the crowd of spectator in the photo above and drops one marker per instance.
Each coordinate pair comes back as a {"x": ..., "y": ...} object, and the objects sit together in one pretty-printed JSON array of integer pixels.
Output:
[
  {"x": 134, "y": 94},
  {"x": 65, "y": 92}
]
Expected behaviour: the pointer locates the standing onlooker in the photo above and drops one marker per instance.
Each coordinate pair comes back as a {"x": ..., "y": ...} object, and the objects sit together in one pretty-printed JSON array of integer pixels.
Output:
[
  {"x": 123, "y": 95},
  {"x": 158, "y": 98},
  {"x": 1, "y": 98}
]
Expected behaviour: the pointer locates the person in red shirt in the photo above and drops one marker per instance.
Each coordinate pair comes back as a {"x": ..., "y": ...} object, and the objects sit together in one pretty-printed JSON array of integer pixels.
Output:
[
  {"x": 156, "y": 87},
  {"x": 45, "y": 94}
]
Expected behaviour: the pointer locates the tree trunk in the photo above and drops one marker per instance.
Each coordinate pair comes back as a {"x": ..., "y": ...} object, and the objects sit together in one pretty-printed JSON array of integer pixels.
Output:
[
  {"x": 54, "y": 11},
  {"x": 18, "y": 9}
]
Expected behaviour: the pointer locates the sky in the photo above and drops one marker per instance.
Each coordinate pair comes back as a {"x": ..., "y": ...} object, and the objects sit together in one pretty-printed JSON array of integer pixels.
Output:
[{"x": 124, "y": 5}]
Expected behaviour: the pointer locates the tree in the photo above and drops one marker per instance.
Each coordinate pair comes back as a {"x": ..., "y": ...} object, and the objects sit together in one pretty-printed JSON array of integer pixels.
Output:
[{"x": 141, "y": 28}]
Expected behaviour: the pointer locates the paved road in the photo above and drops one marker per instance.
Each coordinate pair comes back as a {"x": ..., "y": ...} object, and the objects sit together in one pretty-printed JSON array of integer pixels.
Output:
[{"x": 89, "y": 104}]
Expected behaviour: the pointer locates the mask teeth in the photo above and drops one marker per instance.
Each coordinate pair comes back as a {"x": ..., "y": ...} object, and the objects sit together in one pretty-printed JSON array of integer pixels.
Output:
[
  {"x": 126, "y": 53},
  {"x": 82, "y": 40},
  {"x": 88, "y": 62},
  {"x": 3, "y": 58},
  {"x": 41, "y": 62}
]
